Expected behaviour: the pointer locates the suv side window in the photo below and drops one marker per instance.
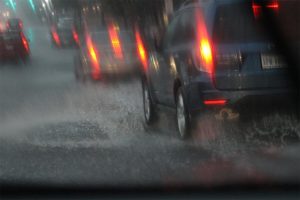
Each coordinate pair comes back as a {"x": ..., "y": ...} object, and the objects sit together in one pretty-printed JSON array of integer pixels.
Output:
[
  {"x": 185, "y": 29},
  {"x": 168, "y": 38}
]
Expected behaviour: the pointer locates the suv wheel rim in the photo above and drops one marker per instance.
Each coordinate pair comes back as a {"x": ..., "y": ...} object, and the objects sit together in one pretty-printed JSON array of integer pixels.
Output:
[
  {"x": 181, "y": 120},
  {"x": 146, "y": 103}
]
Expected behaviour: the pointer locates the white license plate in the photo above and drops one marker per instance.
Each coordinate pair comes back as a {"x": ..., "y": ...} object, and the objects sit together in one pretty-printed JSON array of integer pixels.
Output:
[
  {"x": 271, "y": 61},
  {"x": 9, "y": 47}
]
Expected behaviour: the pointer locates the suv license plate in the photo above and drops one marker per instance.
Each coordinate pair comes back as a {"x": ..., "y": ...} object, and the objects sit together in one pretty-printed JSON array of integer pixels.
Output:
[{"x": 271, "y": 61}]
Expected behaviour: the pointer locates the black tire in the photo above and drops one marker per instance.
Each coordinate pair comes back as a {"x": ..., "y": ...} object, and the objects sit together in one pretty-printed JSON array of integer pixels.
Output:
[
  {"x": 148, "y": 105},
  {"x": 78, "y": 71},
  {"x": 183, "y": 120}
]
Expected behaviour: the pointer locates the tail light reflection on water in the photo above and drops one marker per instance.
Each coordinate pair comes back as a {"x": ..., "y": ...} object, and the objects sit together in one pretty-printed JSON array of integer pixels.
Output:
[{"x": 206, "y": 53}]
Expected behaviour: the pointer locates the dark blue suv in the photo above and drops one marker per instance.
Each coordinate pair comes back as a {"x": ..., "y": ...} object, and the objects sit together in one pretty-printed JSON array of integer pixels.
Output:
[{"x": 216, "y": 55}]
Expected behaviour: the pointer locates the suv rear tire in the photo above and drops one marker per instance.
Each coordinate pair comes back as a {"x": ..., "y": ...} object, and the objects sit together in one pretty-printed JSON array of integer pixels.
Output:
[
  {"x": 148, "y": 105},
  {"x": 78, "y": 70},
  {"x": 182, "y": 115}
]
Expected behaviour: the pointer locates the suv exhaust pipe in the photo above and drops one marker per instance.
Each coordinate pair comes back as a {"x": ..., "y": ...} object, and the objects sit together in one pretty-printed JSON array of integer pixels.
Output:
[{"x": 227, "y": 114}]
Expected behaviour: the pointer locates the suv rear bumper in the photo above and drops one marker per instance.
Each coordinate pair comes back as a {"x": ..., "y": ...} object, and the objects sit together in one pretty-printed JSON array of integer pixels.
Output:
[{"x": 240, "y": 99}]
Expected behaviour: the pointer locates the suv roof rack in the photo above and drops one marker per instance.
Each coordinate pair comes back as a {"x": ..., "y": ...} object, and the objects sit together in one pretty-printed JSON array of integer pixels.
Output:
[{"x": 188, "y": 2}]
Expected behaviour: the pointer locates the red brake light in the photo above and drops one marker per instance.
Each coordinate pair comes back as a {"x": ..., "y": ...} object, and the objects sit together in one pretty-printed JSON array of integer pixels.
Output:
[
  {"x": 92, "y": 51},
  {"x": 204, "y": 49},
  {"x": 215, "y": 102},
  {"x": 274, "y": 5},
  {"x": 21, "y": 25},
  {"x": 25, "y": 43},
  {"x": 115, "y": 42},
  {"x": 141, "y": 50},
  {"x": 75, "y": 36},
  {"x": 55, "y": 36},
  {"x": 206, "y": 52}
]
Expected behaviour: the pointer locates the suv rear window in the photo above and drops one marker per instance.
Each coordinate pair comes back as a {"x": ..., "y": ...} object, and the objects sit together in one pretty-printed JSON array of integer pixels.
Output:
[
  {"x": 246, "y": 28},
  {"x": 102, "y": 38},
  {"x": 230, "y": 29}
]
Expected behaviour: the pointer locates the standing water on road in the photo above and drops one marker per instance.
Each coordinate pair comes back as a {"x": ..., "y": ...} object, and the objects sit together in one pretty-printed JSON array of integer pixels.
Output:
[{"x": 110, "y": 94}]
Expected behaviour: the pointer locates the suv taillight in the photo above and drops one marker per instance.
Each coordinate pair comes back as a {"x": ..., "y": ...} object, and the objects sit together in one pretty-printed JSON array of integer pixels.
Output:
[
  {"x": 206, "y": 56},
  {"x": 257, "y": 6},
  {"x": 25, "y": 42},
  {"x": 204, "y": 49}
]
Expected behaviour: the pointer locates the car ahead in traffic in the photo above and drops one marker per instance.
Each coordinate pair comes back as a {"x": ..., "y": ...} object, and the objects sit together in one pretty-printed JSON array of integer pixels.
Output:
[
  {"x": 64, "y": 34},
  {"x": 14, "y": 24},
  {"x": 217, "y": 57},
  {"x": 14, "y": 45},
  {"x": 107, "y": 53}
]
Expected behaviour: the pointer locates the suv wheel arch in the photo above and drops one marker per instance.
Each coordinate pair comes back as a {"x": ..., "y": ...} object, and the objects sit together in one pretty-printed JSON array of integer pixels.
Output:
[{"x": 177, "y": 84}]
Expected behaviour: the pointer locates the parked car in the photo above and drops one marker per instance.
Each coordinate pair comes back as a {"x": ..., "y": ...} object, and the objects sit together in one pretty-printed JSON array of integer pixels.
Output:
[{"x": 212, "y": 60}]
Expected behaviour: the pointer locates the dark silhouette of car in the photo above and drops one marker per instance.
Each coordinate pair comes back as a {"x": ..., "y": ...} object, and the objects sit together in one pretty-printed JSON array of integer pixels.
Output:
[
  {"x": 64, "y": 33},
  {"x": 14, "y": 45},
  {"x": 107, "y": 53}
]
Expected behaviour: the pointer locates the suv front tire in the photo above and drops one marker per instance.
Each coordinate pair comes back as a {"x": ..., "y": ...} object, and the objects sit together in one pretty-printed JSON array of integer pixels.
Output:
[{"x": 148, "y": 105}]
